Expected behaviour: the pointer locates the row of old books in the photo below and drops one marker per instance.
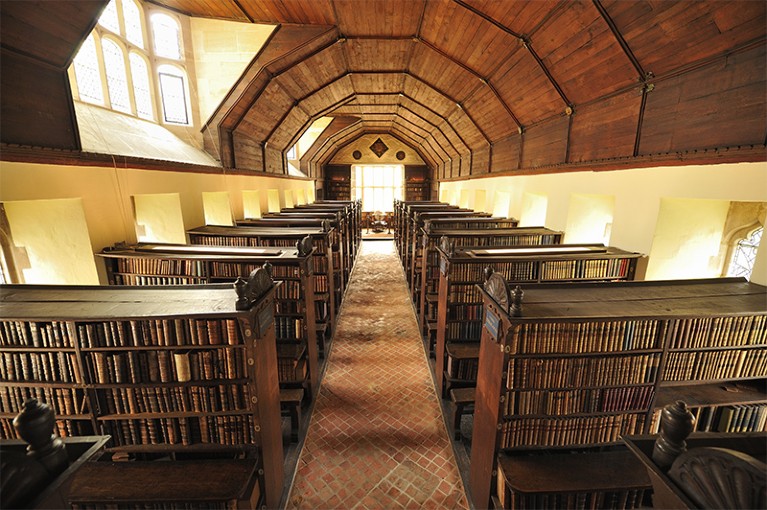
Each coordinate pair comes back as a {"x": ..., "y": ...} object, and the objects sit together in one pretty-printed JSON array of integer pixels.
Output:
[
  {"x": 729, "y": 418},
  {"x": 289, "y": 328},
  {"x": 222, "y": 240},
  {"x": 134, "y": 279},
  {"x": 150, "y": 333},
  {"x": 577, "y": 401},
  {"x": 464, "y": 311},
  {"x": 583, "y": 337},
  {"x": 585, "y": 269},
  {"x": 463, "y": 331},
  {"x": 53, "y": 366},
  {"x": 464, "y": 369},
  {"x": 320, "y": 283},
  {"x": 606, "y": 500},
  {"x": 464, "y": 293},
  {"x": 320, "y": 262},
  {"x": 708, "y": 365},
  {"x": 577, "y": 372},
  {"x": 292, "y": 369},
  {"x": 170, "y": 399},
  {"x": 571, "y": 431},
  {"x": 475, "y": 272},
  {"x": 231, "y": 270},
  {"x": 289, "y": 290},
  {"x": 161, "y": 267},
  {"x": 230, "y": 429},
  {"x": 65, "y": 401},
  {"x": 149, "y": 366},
  {"x": 719, "y": 331},
  {"x": 61, "y": 428},
  {"x": 33, "y": 334}
]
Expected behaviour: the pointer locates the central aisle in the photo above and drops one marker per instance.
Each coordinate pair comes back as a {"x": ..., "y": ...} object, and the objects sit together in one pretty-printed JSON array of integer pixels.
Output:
[{"x": 377, "y": 438}]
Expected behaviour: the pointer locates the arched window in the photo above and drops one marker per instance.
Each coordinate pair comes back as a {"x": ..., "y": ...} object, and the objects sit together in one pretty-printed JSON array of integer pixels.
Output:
[
  {"x": 744, "y": 254},
  {"x": 142, "y": 92},
  {"x": 87, "y": 73},
  {"x": 132, "y": 18},
  {"x": 166, "y": 34},
  {"x": 173, "y": 94},
  {"x": 109, "y": 18},
  {"x": 117, "y": 80}
]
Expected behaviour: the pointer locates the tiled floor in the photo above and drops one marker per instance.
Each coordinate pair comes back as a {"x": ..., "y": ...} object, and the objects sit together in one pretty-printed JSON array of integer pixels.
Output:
[{"x": 377, "y": 438}]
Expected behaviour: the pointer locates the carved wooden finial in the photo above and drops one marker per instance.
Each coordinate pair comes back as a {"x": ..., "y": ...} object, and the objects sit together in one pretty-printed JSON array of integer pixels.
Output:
[
  {"x": 496, "y": 286},
  {"x": 516, "y": 302},
  {"x": 251, "y": 290},
  {"x": 35, "y": 424},
  {"x": 304, "y": 246},
  {"x": 447, "y": 246},
  {"x": 676, "y": 423},
  {"x": 326, "y": 225},
  {"x": 487, "y": 272},
  {"x": 427, "y": 226}
]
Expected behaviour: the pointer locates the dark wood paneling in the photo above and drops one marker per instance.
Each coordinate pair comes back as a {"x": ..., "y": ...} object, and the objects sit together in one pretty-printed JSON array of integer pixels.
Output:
[
  {"x": 37, "y": 107},
  {"x": 607, "y": 128},
  {"x": 267, "y": 111},
  {"x": 719, "y": 105},
  {"x": 329, "y": 95},
  {"x": 285, "y": 133},
  {"x": 667, "y": 35},
  {"x": 524, "y": 86},
  {"x": 490, "y": 115},
  {"x": 582, "y": 54},
  {"x": 380, "y": 54},
  {"x": 387, "y": 18},
  {"x": 424, "y": 94},
  {"x": 370, "y": 83},
  {"x": 274, "y": 160},
  {"x": 314, "y": 72},
  {"x": 50, "y": 32},
  {"x": 521, "y": 16},
  {"x": 464, "y": 125},
  {"x": 223, "y": 9},
  {"x": 480, "y": 161},
  {"x": 545, "y": 143},
  {"x": 466, "y": 37},
  {"x": 249, "y": 154},
  {"x": 315, "y": 12},
  {"x": 505, "y": 155}
]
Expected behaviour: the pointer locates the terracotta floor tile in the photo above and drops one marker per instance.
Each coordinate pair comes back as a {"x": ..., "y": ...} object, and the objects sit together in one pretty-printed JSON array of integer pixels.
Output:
[{"x": 377, "y": 438}]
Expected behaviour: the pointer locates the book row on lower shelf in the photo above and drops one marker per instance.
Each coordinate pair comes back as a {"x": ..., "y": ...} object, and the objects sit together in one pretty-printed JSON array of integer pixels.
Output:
[
  {"x": 729, "y": 418},
  {"x": 719, "y": 331},
  {"x": 184, "y": 399},
  {"x": 64, "y": 401},
  {"x": 57, "y": 366},
  {"x": 569, "y": 431},
  {"x": 583, "y": 337},
  {"x": 575, "y": 401},
  {"x": 708, "y": 365},
  {"x": 235, "y": 429}
]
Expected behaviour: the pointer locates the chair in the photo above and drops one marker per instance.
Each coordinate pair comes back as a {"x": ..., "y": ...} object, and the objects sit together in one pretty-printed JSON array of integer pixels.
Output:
[{"x": 379, "y": 223}]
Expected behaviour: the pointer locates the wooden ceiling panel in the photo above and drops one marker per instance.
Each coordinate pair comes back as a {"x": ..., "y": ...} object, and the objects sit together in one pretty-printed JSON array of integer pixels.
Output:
[
  {"x": 582, "y": 54},
  {"x": 312, "y": 12},
  {"x": 615, "y": 119},
  {"x": 442, "y": 73},
  {"x": 469, "y": 132},
  {"x": 332, "y": 94},
  {"x": 378, "y": 54},
  {"x": 384, "y": 18},
  {"x": 520, "y": 16},
  {"x": 370, "y": 83},
  {"x": 665, "y": 36},
  {"x": 527, "y": 90},
  {"x": 295, "y": 122},
  {"x": 271, "y": 106},
  {"x": 489, "y": 114},
  {"x": 466, "y": 37},
  {"x": 505, "y": 154},
  {"x": 314, "y": 72},
  {"x": 416, "y": 128},
  {"x": 719, "y": 105},
  {"x": 49, "y": 32},
  {"x": 222, "y": 9},
  {"x": 424, "y": 94},
  {"x": 546, "y": 143}
]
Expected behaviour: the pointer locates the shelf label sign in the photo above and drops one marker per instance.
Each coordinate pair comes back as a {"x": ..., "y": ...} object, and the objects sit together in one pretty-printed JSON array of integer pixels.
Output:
[{"x": 492, "y": 322}]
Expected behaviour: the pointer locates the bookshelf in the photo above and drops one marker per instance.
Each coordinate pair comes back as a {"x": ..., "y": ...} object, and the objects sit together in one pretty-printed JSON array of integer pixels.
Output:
[
  {"x": 573, "y": 367},
  {"x": 351, "y": 212},
  {"x": 406, "y": 223},
  {"x": 459, "y": 304},
  {"x": 400, "y": 210},
  {"x": 327, "y": 282},
  {"x": 297, "y": 347},
  {"x": 417, "y": 183},
  {"x": 341, "y": 241},
  {"x": 338, "y": 182},
  {"x": 95, "y": 342}
]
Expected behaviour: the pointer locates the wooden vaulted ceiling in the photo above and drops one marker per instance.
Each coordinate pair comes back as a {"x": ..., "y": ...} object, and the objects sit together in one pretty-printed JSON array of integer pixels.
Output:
[{"x": 478, "y": 86}]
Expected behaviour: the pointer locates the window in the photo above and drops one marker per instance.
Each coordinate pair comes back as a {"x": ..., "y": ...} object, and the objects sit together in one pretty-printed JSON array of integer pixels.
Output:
[
  {"x": 87, "y": 73},
  {"x": 173, "y": 93},
  {"x": 292, "y": 153},
  {"x": 141, "y": 89},
  {"x": 109, "y": 18},
  {"x": 132, "y": 17},
  {"x": 165, "y": 32},
  {"x": 744, "y": 254},
  {"x": 117, "y": 79},
  {"x": 378, "y": 186}
]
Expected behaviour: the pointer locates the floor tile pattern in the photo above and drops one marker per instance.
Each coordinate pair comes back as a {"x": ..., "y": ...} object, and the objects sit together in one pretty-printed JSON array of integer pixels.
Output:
[{"x": 377, "y": 438}]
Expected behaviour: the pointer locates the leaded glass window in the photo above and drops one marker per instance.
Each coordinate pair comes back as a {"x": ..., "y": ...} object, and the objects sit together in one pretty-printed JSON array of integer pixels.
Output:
[
  {"x": 87, "y": 73},
  {"x": 166, "y": 34},
  {"x": 109, "y": 19},
  {"x": 117, "y": 80},
  {"x": 132, "y": 17},
  {"x": 141, "y": 90},
  {"x": 744, "y": 254},
  {"x": 173, "y": 93}
]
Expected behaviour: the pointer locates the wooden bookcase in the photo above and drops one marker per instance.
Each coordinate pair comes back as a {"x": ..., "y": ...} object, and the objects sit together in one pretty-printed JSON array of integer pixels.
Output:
[
  {"x": 539, "y": 259},
  {"x": 342, "y": 241},
  {"x": 352, "y": 209},
  {"x": 338, "y": 182},
  {"x": 297, "y": 347},
  {"x": 327, "y": 282},
  {"x": 400, "y": 214},
  {"x": 154, "y": 367},
  {"x": 417, "y": 183},
  {"x": 407, "y": 226},
  {"x": 573, "y": 367}
]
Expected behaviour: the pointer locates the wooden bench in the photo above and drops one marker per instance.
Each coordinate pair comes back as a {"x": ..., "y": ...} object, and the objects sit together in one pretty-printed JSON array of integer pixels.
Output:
[
  {"x": 463, "y": 399},
  {"x": 462, "y": 361},
  {"x": 290, "y": 404}
]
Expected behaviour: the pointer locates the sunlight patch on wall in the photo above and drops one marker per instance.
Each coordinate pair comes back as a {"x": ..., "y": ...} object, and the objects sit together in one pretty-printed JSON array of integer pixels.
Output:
[
  {"x": 251, "y": 204},
  {"x": 273, "y": 200},
  {"x": 589, "y": 219},
  {"x": 534, "y": 208},
  {"x": 158, "y": 218},
  {"x": 217, "y": 209}
]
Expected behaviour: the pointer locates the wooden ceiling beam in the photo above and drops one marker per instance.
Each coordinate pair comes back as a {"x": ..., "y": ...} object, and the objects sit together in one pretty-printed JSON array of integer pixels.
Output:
[{"x": 641, "y": 73}]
